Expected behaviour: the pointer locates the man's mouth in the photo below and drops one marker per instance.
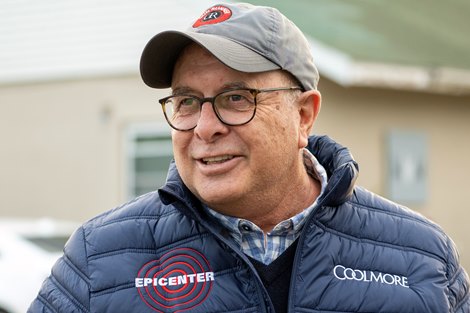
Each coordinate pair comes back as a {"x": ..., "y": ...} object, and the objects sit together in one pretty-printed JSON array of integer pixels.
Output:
[{"x": 217, "y": 159}]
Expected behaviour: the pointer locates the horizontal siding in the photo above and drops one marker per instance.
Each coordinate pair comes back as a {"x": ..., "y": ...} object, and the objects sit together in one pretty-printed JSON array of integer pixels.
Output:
[{"x": 56, "y": 39}]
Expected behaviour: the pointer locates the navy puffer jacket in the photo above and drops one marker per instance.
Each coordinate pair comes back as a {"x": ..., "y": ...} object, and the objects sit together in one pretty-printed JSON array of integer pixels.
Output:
[{"x": 357, "y": 253}]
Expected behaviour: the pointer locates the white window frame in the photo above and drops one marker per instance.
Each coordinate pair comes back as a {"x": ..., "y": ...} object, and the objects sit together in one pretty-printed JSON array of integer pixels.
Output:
[{"x": 133, "y": 132}]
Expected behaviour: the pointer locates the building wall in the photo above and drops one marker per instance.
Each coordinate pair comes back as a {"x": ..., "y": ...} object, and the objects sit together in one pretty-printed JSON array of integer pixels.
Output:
[{"x": 63, "y": 150}]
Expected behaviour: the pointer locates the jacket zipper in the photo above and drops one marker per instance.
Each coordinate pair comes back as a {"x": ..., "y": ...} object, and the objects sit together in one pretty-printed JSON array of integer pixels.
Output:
[{"x": 263, "y": 293}]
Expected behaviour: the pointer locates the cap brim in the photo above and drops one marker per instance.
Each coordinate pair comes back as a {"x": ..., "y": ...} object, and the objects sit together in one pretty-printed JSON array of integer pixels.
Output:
[{"x": 162, "y": 51}]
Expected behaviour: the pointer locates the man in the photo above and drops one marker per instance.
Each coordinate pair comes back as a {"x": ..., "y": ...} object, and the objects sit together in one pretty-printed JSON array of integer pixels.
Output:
[{"x": 255, "y": 216}]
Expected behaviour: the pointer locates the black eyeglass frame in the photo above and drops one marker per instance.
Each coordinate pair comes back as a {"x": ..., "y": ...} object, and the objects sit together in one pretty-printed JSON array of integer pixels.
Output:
[{"x": 211, "y": 100}]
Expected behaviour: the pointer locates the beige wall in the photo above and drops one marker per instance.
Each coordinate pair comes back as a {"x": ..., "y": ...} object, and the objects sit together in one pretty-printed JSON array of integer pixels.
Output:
[{"x": 63, "y": 146}]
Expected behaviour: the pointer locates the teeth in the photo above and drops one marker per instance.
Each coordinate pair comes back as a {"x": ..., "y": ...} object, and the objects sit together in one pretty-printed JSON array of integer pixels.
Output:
[{"x": 217, "y": 159}]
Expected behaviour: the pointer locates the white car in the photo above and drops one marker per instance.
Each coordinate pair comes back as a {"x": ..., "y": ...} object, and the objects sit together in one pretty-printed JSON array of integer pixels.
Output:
[{"x": 28, "y": 249}]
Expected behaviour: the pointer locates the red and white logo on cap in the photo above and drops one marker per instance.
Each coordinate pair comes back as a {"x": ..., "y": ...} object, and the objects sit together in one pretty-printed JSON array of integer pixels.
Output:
[{"x": 214, "y": 15}]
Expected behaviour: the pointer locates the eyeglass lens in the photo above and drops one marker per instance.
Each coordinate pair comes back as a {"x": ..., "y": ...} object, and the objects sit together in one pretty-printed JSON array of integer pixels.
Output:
[{"x": 234, "y": 107}]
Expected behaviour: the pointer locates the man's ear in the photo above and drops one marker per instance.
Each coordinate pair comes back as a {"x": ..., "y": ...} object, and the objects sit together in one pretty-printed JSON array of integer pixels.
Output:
[{"x": 309, "y": 104}]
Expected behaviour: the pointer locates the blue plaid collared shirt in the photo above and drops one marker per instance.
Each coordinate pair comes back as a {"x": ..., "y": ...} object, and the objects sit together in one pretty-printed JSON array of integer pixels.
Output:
[{"x": 266, "y": 248}]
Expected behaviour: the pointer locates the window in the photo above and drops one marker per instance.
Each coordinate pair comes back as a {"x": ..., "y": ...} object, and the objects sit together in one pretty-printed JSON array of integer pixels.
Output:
[{"x": 149, "y": 155}]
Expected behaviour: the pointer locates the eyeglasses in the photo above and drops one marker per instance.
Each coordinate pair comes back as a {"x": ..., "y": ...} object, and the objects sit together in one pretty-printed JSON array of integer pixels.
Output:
[{"x": 232, "y": 107}]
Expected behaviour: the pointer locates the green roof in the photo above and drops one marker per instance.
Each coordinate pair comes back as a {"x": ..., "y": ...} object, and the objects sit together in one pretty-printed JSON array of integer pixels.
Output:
[{"x": 425, "y": 34}]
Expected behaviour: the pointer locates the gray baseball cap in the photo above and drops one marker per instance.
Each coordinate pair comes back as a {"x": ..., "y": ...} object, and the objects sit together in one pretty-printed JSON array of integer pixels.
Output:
[{"x": 242, "y": 36}]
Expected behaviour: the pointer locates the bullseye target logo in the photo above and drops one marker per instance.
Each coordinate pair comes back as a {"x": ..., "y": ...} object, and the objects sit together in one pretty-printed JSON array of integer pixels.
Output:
[
  {"x": 214, "y": 15},
  {"x": 180, "y": 280}
]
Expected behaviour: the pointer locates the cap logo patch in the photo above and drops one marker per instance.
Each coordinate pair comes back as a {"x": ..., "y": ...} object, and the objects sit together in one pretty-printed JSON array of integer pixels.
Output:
[{"x": 214, "y": 15}]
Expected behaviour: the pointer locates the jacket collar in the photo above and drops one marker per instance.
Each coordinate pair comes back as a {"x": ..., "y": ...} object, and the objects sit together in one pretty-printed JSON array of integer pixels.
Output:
[{"x": 340, "y": 166}]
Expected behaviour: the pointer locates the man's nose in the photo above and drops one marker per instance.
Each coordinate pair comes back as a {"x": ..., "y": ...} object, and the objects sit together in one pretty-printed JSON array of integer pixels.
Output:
[{"x": 209, "y": 126}]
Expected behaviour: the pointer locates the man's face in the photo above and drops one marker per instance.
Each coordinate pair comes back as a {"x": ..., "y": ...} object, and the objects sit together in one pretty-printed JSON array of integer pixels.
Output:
[{"x": 231, "y": 167}]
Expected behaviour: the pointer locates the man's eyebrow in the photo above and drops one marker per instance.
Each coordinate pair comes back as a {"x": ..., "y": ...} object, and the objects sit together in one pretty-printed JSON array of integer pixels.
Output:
[
  {"x": 233, "y": 85},
  {"x": 227, "y": 86},
  {"x": 182, "y": 90}
]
